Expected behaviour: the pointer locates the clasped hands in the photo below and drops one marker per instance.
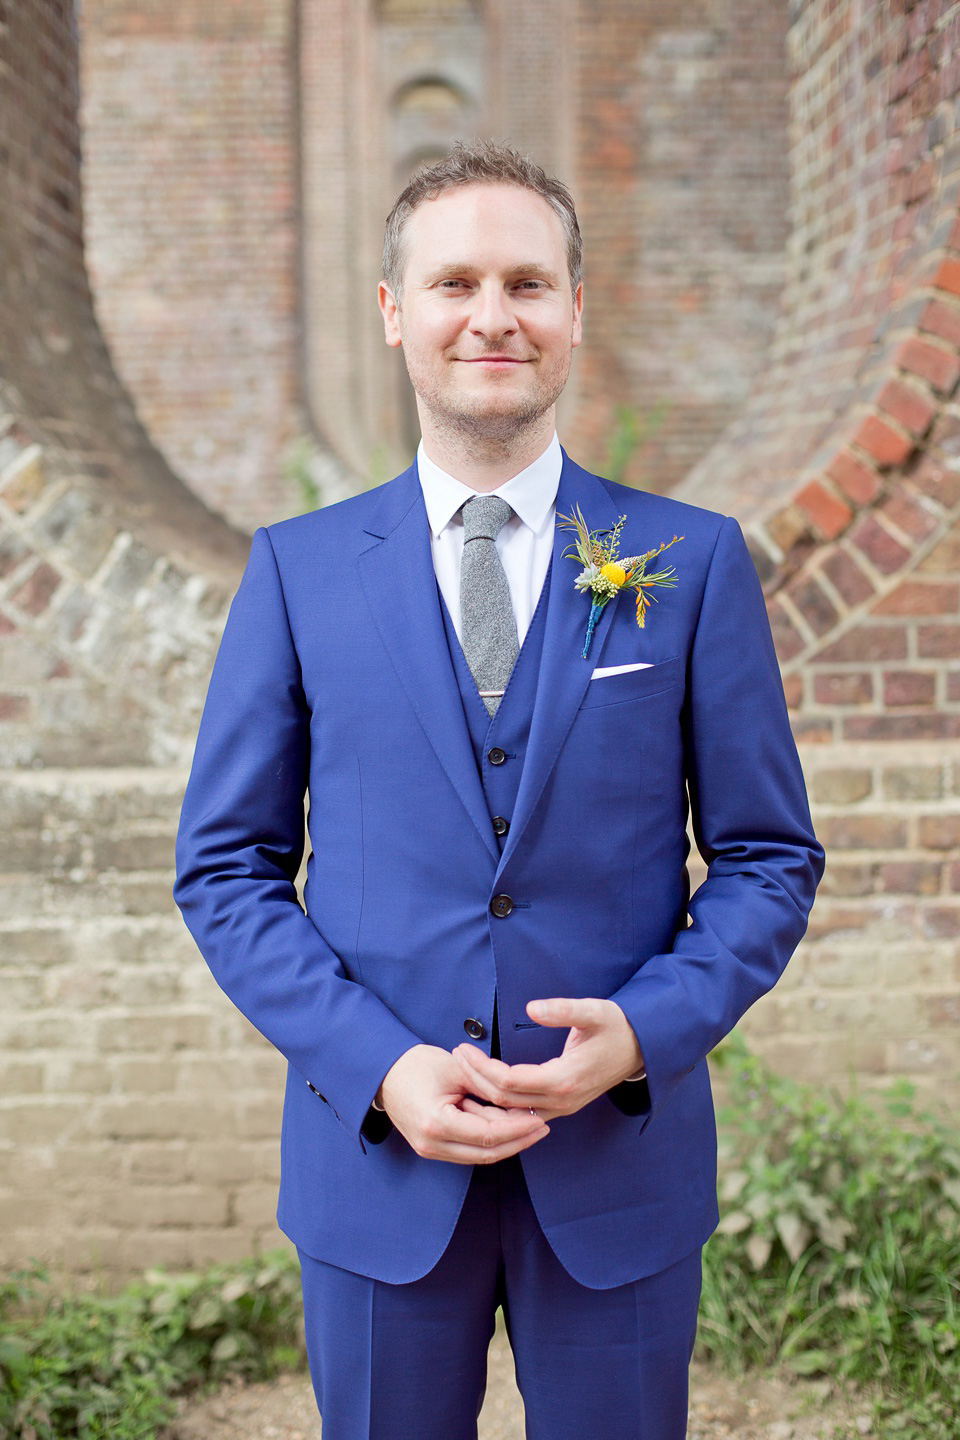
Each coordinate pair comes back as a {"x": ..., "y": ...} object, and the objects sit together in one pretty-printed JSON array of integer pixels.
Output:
[{"x": 429, "y": 1092}]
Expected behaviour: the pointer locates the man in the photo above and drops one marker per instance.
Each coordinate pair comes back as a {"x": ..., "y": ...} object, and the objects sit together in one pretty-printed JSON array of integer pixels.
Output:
[{"x": 498, "y": 1006}]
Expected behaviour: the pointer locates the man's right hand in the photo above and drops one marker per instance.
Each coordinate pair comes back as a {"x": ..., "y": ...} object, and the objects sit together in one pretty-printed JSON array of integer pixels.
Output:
[{"x": 427, "y": 1098}]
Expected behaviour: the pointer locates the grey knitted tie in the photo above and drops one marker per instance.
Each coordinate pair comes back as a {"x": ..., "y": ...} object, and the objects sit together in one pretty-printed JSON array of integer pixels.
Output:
[{"x": 487, "y": 620}]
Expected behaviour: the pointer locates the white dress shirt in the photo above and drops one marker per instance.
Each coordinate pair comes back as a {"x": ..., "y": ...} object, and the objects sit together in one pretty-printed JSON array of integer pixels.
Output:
[{"x": 525, "y": 543}]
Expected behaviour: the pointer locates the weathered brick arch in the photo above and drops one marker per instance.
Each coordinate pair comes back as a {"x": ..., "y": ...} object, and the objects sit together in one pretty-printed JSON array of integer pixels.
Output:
[{"x": 135, "y": 1139}]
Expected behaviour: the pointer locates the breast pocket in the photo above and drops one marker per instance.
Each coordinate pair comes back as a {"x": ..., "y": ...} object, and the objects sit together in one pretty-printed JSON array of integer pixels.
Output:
[{"x": 632, "y": 684}]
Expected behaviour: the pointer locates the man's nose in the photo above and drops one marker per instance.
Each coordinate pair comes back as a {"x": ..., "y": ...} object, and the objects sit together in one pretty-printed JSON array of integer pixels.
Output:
[{"x": 492, "y": 313}]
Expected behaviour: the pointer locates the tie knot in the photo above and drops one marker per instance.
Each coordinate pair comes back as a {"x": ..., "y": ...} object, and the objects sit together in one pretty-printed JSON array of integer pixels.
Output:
[{"x": 484, "y": 516}]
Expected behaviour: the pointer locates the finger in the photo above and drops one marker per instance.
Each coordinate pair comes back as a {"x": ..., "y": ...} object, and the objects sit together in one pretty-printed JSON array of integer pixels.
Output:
[
  {"x": 486, "y": 1155},
  {"x": 486, "y": 1127},
  {"x": 514, "y": 1085},
  {"x": 543, "y": 1112},
  {"x": 561, "y": 1011}
]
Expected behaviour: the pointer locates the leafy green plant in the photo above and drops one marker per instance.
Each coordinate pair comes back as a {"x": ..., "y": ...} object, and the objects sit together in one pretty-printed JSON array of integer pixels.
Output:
[
  {"x": 838, "y": 1250},
  {"x": 630, "y": 430},
  {"x": 100, "y": 1367},
  {"x": 295, "y": 468}
]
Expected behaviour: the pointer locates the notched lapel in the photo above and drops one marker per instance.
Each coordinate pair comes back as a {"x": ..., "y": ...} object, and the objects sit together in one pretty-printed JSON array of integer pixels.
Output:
[
  {"x": 564, "y": 674},
  {"x": 400, "y": 584}
]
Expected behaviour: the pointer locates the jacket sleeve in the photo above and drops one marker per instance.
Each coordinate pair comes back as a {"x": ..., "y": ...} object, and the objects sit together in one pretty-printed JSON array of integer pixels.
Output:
[
  {"x": 752, "y": 826},
  {"x": 239, "y": 847}
]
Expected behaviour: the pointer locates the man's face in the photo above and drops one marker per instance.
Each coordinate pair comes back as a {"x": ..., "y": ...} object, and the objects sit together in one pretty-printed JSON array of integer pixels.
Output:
[{"x": 487, "y": 320}]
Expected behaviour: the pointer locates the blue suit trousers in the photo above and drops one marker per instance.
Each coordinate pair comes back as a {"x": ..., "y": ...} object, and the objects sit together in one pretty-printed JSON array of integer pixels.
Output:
[{"x": 409, "y": 1362}]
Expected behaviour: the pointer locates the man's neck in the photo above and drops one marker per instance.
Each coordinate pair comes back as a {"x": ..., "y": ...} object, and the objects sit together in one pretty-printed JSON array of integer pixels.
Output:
[{"x": 485, "y": 465}]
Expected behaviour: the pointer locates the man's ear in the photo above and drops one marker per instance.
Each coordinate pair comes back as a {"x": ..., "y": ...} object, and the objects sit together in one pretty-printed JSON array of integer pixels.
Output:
[
  {"x": 577, "y": 334},
  {"x": 391, "y": 315}
]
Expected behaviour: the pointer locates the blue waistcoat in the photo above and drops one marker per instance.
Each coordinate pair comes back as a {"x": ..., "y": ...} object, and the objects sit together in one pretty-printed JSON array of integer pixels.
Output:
[{"x": 508, "y": 730}]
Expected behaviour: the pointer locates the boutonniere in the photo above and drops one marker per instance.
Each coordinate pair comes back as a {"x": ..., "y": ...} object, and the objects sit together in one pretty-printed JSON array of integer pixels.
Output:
[{"x": 605, "y": 575}]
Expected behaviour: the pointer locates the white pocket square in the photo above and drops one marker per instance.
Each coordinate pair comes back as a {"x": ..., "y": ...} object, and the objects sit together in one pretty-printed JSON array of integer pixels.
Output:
[{"x": 602, "y": 670}]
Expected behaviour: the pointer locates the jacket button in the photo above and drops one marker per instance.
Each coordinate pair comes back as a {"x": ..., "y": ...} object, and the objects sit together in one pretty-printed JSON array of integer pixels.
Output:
[
  {"x": 473, "y": 1028},
  {"x": 501, "y": 905},
  {"x": 500, "y": 826},
  {"x": 496, "y": 756}
]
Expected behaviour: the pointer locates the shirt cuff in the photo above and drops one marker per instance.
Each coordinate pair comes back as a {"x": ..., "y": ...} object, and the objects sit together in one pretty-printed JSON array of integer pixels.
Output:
[
  {"x": 383, "y": 1112},
  {"x": 640, "y": 1075}
]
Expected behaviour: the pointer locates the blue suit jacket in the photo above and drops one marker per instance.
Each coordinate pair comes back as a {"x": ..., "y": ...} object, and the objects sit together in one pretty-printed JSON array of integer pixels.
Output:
[{"x": 334, "y": 675}]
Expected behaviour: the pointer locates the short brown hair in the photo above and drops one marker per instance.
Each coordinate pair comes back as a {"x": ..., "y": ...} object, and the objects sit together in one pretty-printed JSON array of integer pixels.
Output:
[{"x": 465, "y": 164}]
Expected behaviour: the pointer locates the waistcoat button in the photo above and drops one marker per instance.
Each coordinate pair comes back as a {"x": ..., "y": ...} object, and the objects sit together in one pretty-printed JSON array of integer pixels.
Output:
[
  {"x": 473, "y": 1028},
  {"x": 500, "y": 826},
  {"x": 501, "y": 905},
  {"x": 496, "y": 756}
]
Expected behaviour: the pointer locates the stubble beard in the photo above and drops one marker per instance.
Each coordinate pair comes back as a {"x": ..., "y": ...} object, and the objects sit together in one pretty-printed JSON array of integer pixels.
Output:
[{"x": 486, "y": 434}]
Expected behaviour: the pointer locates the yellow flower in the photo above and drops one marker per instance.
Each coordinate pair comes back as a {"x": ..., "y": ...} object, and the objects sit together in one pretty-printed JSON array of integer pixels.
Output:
[{"x": 614, "y": 572}]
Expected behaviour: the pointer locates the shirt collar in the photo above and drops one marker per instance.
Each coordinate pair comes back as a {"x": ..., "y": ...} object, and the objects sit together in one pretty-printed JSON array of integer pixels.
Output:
[{"x": 532, "y": 493}]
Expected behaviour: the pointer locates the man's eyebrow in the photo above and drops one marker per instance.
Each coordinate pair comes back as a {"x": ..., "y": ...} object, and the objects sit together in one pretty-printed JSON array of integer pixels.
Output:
[{"x": 450, "y": 271}]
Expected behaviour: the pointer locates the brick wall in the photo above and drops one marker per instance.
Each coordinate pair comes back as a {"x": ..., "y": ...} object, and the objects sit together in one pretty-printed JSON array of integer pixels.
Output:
[
  {"x": 192, "y": 205},
  {"x": 240, "y": 162},
  {"x": 124, "y": 1134}
]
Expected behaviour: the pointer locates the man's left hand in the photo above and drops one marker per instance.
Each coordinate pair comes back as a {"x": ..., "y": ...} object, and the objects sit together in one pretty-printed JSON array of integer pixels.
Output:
[{"x": 600, "y": 1051}]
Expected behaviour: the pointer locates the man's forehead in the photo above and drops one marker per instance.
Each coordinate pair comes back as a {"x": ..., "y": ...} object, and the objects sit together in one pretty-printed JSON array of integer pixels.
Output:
[{"x": 482, "y": 212}]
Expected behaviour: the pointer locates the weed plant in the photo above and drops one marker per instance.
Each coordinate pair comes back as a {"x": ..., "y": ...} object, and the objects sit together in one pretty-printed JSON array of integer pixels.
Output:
[
  {"x": 102, "y": 1367},
  {"x": 838, "y": 1250}
]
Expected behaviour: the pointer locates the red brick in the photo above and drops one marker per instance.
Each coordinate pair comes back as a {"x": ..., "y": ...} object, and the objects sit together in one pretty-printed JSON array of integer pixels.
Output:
[
  {"x": 934, "y": 479},
  {"x": 953, "y": 686},
  {"x": 931, "y": 726},
  {"x": 938, "y": 366},
  {"x": 787, "y": 638},
  {"x": 940, "y": 318},
  {"x": 909, "y": 687},
  {"x": 814, "y": 604},
  {"x": 910, "y": 407},
  {"x": 35, "y": 593},
  {"x": 867, "y": 642},
  {"x": 847, "y": 578},
  {"x": 909, "y": 515},
  {"x": 853, "y": 687},
  {"x": 855, "y": 478},
  {"x": 829, "y": 514},
  {"x": 940, "y": 832},
  {"x": 878, "y": 545},
  {"x": 938, "y": 642},
  {"x": 884, "y": 444},
  {"x": 947, "y": 276},
  {"x": 813, "y": 729},
  {"x": 912, "y": 877},
  {"x": 862, "y": 832},
  {"x": 793, "y": 691},
  {"x": 940, "y": 922},
  {"x": 918, "y": 597},
  {"x": 13, "y": 707}
]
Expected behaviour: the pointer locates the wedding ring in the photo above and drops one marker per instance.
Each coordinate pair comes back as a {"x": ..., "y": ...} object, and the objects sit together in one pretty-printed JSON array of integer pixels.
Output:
[{"x": 532, "y": 1111}]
